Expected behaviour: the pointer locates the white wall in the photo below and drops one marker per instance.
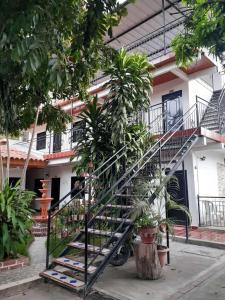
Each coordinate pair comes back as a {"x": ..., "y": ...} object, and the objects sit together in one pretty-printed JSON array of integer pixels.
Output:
[{"x": 198, "y": 87}]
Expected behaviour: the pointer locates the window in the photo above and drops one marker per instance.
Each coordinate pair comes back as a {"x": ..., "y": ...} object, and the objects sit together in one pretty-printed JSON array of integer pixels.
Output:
[
  {"x": 41, "y": 140},
  {"x": 78, "y": 131}
]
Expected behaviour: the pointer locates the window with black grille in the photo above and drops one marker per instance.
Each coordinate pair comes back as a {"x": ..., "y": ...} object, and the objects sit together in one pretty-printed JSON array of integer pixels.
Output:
[
  {"x": 41, "y": 140},
  {"x": 78, "y": 130}
]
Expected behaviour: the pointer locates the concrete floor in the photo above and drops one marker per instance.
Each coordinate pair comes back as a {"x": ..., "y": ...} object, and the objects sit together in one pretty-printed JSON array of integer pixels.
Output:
[
  {"x": 188, "y": 277},
  {"x": 187, "y": 263}
]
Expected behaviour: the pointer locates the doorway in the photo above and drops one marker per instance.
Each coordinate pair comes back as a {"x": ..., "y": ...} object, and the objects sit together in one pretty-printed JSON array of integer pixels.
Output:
[
  {"x": 181, "y": 197},
  {"x": 77, "y": 183},
  {"x": 37, "y": 186},
  {"x": 57, "y": 139},
  {"x": 13, "y": 181},
  {"x": 55, "y": 190},
  {"x": 173, "y": 108}
]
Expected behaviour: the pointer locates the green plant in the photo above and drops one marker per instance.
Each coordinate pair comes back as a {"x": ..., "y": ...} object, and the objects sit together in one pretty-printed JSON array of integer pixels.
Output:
[
  {"x": 164, "y": 188},
  {"x": 204, "y": 28},
  {"x": 146, "y": 220},
  {"x": 15, "y": 219},
  {"x": 114, "y": 124}
]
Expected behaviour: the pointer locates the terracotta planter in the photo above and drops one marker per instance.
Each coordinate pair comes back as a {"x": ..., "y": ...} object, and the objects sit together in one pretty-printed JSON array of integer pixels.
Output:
[
  {"x": 148, "y": 234},
  {"x": 162, "y": 254}
]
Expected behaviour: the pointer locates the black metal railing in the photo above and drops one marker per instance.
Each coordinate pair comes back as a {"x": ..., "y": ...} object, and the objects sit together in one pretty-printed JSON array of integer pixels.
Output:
[
  {"x": 153, "y": 44},
  {"x": 221, "y": 110},
  {"x": 109, "y": 192},
  {"x": 60, "y": 230},
  {"x": 211, "y": 211}
]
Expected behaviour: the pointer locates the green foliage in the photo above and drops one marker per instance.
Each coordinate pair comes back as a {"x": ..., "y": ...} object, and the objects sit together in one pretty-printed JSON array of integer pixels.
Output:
[
  {"x": 155, "y": 213},
  {"x": 204, "y": 28},
  {"x": 15, "y": 220},
  {"x": 129, "y": 91},
  {"x": 114, "y": 124},
  {"x": 49, "y": 50}
]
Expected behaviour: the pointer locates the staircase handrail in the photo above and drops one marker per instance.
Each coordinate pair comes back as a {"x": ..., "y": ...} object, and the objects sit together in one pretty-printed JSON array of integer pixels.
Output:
[
  {"x": 221, "y": 114},
  {"x": 104, "y": 167},
  {"x": 52, "y": 213},
  {"x": 153, "y": 149}
]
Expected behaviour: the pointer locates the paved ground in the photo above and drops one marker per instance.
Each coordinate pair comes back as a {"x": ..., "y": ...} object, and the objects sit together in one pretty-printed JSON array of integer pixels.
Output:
[
  {"x": 37, "y": 263},
  {"x": 188, "y": 277},
  {"x": 187, "y": 262},
  {"x": 211, "y": 289}
]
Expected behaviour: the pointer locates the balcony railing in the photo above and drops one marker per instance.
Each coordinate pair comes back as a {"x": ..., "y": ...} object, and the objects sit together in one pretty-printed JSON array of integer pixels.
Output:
[{"x": 211, "y": 211}]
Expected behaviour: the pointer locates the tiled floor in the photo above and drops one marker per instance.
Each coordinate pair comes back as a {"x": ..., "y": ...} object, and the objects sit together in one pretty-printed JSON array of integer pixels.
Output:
[{"x": 203, "y": 233}]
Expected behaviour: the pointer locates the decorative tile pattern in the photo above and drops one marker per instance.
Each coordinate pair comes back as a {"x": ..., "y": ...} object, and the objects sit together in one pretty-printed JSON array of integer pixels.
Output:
[
  {"x": 91, "y": 248},
  {"x": 62, "y": 278},
  {"x": 64, "y": 261}
]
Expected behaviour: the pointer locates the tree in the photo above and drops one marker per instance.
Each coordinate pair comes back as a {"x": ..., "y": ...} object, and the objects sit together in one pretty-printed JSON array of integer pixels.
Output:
[
  {"x": 204, "y": 28},
  {"x": 114, "y": 124},
  {"x": 49, "y": 50}
]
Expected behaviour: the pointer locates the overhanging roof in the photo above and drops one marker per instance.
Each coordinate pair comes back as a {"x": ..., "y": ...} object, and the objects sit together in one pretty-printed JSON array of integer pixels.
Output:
[{"x": 149, "y": 28}]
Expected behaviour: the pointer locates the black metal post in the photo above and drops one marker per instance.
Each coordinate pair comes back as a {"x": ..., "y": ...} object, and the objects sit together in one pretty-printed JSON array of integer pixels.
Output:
[
  {"x": 86, "y": 248},
  {"x": 48, "y": 239},
  {"x": 167, "y": 231},
  {"x": 50, "y": 142},
  {"x": 185, "y": 200}
]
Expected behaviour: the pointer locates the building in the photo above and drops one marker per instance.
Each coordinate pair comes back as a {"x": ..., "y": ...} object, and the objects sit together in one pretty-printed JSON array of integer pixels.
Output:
[
  {"x": 186, "y": 116},
  {"x": 175, "y": 91}
]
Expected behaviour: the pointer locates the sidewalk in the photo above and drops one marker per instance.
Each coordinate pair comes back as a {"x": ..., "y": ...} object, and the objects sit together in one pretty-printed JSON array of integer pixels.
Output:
[{"x": 188, "y": 277}]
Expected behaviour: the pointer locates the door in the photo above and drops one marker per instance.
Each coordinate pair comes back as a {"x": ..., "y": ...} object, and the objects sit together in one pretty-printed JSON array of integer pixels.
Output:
[
  {"x": 55, "y": 190},
  {"x": 37, "y": 186},
  {"x": 57, "y": 142},
  {"x": 181, "y": 197},
  {"x": 173, "y": 109},
  {"x": 13, "y": 181},
  {"x": 77, "y": 183}
]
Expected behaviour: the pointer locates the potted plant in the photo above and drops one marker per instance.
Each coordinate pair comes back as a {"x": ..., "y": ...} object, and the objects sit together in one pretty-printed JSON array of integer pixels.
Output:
[
  {"x": 147, "y": 228},
  {"x": 154, "y": 214}
]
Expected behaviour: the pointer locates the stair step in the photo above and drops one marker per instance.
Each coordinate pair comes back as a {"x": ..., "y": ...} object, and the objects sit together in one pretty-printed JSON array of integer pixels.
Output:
[
  {"x": 114, "y": 219},
  {"x": 63, "y": 279},
  {"x": 91, "y": 248},
  {"x": 103, "y": 232},
  {"x": 72, "y": 264},
  {"x": 119, "y": 206}
]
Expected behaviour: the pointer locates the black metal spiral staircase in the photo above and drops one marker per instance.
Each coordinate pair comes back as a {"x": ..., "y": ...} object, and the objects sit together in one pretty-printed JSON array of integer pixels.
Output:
[{"x": 107, "y": 223}]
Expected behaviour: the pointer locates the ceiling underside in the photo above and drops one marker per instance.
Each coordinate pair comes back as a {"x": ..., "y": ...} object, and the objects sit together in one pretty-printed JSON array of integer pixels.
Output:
[{"x": 148, "y": 28}]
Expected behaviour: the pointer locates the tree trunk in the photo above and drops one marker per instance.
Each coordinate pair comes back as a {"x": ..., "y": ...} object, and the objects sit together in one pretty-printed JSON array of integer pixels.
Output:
[
  {"x": 147, "y": 261},
  {"x": 8, "y": 156},
  {"x": 1, "y": 171},
  {"x": 23, "y": 179}
]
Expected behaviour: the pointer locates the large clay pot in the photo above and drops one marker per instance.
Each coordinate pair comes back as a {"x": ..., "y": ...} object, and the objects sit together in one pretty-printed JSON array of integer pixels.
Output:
[
  {"x": 148, "y": 234},
  {"x": 162, "y": 253}
]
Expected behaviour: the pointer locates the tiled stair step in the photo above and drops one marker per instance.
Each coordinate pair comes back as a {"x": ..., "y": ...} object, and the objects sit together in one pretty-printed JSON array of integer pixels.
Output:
[
  {"x": 209, "y": 123},
  {"x": 114, "y": 219},
  {"x": 210, "y": 119},
  {"x": 74, "y": 265},
  {"x": 91, "y": 248},
  {"x": 127, "y": 195},
  {"x": 63, "y": 279},
  {"x": 166, "y": 162},
  {"x": 103, "y": 232},
  {"x": 119, "y": 206}
]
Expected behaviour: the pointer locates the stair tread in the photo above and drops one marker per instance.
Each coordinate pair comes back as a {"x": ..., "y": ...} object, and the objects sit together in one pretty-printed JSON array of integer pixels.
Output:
[
  {"x": 114, "y": 219},
  {"x": 119, "y": 206},
  {"x": 91, "y": 248},
  {"x": 103, "y": 232},
  {"x": 73, "y": 264},
  {"x": 63, "y": 279}
]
